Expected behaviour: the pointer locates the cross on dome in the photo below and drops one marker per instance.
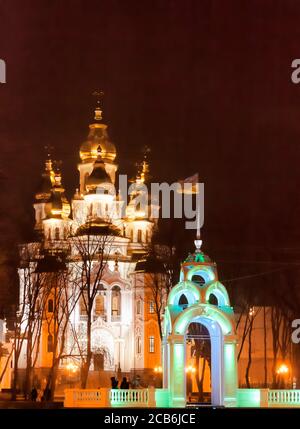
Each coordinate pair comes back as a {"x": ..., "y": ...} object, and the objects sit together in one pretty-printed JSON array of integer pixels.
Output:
[{"x": 98, "y": 111}]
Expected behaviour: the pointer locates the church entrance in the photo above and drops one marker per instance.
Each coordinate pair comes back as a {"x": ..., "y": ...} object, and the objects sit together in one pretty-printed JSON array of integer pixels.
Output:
[
  {"x": 98, "y": 361},
  {"x": 198, "y": 364}
]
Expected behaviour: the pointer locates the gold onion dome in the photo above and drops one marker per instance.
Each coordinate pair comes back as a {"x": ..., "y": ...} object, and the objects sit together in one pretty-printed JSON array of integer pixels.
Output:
[
  {"x": 47, "y": 181},
  {"x": 98, "y": 136},
  {"x": 99, "y": 175},
  {"x": 59, "y": 205}
]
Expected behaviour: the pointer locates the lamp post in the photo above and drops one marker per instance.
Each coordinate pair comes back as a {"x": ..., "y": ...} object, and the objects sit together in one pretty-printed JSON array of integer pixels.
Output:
[
  {"x": 71, "y": 369},
  {"x": 157, "y": 371},
  {"x": 283, "y": 371}
]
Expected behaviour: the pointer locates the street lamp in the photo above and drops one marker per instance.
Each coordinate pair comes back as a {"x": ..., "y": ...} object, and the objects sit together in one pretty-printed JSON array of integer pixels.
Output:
[
  {"x": 71, "y": 367},
  {"x": 72, "y": 370},
  {"x": 283, "y": 371},
  {"x": 158, "y": 371}
]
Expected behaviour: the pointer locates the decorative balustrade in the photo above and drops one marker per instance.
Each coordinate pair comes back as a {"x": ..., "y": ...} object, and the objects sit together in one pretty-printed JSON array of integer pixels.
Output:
[
  {"x": 287, "y": 398},
  {"x": 133, "y": 398},
  {"x": 92, "y": 398},
  {"x": 85, "y": 398},
  {"x": 130, "y": 397},
  {"x": 265, "y": 398}
]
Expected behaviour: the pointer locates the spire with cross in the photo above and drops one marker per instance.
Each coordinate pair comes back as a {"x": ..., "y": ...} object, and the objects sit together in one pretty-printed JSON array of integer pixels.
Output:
[{"x": 98, "y": 94}]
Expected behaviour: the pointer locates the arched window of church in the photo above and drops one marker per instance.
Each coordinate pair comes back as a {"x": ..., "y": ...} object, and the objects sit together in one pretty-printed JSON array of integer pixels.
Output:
[
  {"x": 101, "y": 287},
  {"x": 151, "y": 307},
  {"x": 91, "y": 209},
  {"x": 56, "y": 233},
  {"x": 131, "y": 235},
  {"x": 151, "y": 344},
  {"x": 139, "y": 345},
  {"x": 146, "y": 238},
  {"x": 139, "y": 307},
  {"x": 50, "y": 343},
  {"x": 116, "y": 301},
  {"x": 65, "y": 233},
  {"x": 49, "y": 233},
  {"x": 139, "y": 237},
  {"x": 50, "y": 306},
  {"x": 99, "y": 305}
]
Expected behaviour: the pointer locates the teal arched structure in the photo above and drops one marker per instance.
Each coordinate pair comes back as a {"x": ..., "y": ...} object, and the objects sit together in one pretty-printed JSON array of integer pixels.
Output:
[{"x": 218, "y": 318}]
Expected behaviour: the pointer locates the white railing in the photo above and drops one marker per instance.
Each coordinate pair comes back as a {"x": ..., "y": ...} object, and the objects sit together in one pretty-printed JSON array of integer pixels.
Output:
[
  {"x": 130, "y": 397},
  {"x": 93, "y": 398},
  {"x": 265, "y": 398},
  {"x": 284, "y": 398}
]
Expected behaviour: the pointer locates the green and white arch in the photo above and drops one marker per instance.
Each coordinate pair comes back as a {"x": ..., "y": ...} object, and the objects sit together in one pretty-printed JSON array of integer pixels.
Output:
[{"x": 219, "y": 321}]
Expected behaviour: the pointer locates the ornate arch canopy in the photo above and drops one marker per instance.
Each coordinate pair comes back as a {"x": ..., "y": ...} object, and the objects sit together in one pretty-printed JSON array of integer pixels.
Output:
[{"x": 217, "y": 317}]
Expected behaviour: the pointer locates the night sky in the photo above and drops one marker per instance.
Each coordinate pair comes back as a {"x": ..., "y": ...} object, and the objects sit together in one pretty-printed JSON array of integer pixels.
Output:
[{"x": 205, "y": 84}]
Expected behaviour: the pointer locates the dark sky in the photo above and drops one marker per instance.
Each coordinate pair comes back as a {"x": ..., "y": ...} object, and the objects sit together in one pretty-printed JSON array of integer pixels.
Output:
[{"x": 205, "y": 84}]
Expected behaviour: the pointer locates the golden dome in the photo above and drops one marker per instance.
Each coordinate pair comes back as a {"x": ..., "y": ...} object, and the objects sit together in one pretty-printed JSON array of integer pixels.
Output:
[
  {"x": 44, "y": 189},
  {"x": 98, "y": 136},
  {"x": 59, "y": 206},
  {"x": 98, "y": 176}
]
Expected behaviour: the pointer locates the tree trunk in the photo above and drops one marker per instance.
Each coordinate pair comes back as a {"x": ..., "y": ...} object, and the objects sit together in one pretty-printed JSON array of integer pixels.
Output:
[
  {"x": 249, "y": 355},
  {"x": 15, "y": 380},
  {"x": 265, "y": 351},
  {"x": 28, "y": 373},
  {"x": 202, "y": 380},
  {"x": 86, "y": 365},
  {"x": 52, "y": 377}
]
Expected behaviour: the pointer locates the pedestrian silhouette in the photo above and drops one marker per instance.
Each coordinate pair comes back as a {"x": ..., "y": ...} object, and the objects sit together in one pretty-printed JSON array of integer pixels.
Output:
[
  {"x": 125, "y": 383},
  {"x": 114, "y": 383},
  {"x": 33, "y": 394}
]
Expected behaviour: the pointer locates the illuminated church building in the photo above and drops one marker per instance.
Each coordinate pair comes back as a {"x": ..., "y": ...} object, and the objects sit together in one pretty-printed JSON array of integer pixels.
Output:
[{"x": 125, "y": 333}]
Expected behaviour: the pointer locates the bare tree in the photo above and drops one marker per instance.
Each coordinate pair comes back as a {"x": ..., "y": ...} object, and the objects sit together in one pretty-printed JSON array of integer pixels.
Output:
[
  {"x": 247, "y": 315},
  {"x": 276, "y": 320},
  {"x": 36, "y": 299},
  {"x": 92, "y": 248},
  {"x": 265, "y": 348},
  {"x": 7, "y": 355},
  {"x": 28, "y": 319},
  {"x": 247, "y": 374},
  {"x": 64, "y": 296},
  {"x": 201, "y": 349},
  {"x": 246, "y": 319},
  {"x": 157, "y": 280}
]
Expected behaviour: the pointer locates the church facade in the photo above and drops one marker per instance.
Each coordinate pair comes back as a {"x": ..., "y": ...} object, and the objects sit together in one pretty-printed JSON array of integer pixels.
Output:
[{"x": 125, "y": 334}]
